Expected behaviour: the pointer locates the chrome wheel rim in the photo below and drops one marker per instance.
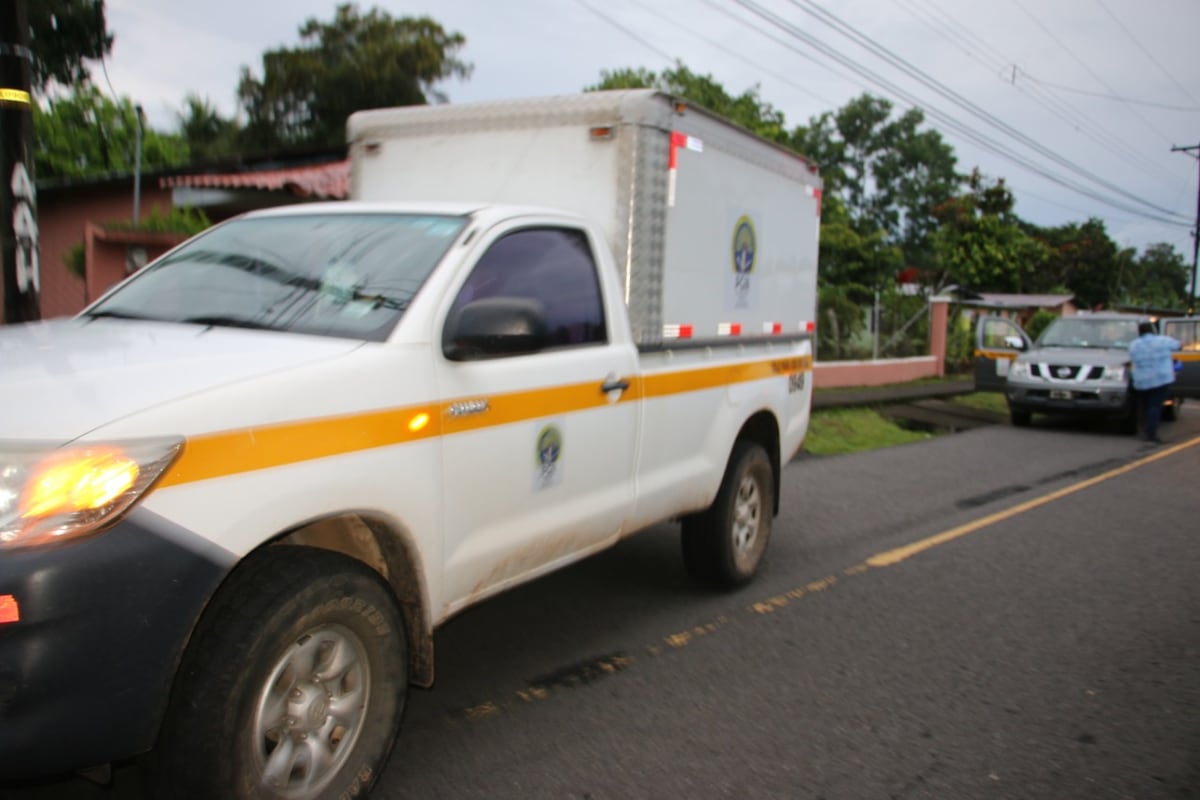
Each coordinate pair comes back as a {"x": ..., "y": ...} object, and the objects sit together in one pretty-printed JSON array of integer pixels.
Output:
[
  {"x": 747, "y": 513},
  {"x": 311, "y": 711}
]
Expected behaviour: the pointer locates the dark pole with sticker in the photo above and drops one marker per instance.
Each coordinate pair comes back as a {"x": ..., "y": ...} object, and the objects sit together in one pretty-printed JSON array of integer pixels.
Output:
[{"x": 18, "y": 201}]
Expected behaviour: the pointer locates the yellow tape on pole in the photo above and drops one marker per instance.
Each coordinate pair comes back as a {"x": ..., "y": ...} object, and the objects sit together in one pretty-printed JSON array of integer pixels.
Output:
[{"x": 18, "y": 96}]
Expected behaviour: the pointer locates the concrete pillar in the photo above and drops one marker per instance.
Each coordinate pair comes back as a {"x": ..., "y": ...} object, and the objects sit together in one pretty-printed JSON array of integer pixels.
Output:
[{"x": 939, "y": 313}]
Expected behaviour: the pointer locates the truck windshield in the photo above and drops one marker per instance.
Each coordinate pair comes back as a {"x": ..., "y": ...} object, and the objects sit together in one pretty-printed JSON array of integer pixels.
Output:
[
  {"x": 330, "y": 274},
  {"x": 1075, "y": 332}
]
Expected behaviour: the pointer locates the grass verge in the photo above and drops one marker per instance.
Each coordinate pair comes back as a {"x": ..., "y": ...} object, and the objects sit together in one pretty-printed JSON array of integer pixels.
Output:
[
  {"x": 851, "y": 430},
  {"x": 987, "y": 401},
  {"x": 838, "y": 431}
]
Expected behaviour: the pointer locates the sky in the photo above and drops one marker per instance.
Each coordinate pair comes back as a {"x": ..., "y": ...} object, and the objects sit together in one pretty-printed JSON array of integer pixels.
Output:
[{"x": 1076, "y": 104}]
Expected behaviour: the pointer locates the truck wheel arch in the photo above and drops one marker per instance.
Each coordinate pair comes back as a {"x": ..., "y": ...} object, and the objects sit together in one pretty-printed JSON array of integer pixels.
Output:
[
  {"x": 389, "y": 550},
  {"x": 763, "y": 429}
]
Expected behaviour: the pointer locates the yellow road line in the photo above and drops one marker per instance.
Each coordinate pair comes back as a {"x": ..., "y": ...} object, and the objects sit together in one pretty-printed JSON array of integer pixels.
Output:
[
  {"x": 891, "y": 557},
  {"x": 682, "y": 639}
]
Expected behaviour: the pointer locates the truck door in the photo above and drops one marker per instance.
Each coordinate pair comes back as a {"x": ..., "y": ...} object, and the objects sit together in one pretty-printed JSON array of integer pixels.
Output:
[
  {"x": 997, "y": 342},
  {"x": 1187, "y": 360},
  {"x": 539, "y": 447}
]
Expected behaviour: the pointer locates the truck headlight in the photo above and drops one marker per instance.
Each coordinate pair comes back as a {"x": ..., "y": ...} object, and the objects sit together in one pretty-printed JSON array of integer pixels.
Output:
[
  {"x": 1019, "y": 369},
  {"x": 1115, "y": 374},
  {"x": 50, "y": 494}
]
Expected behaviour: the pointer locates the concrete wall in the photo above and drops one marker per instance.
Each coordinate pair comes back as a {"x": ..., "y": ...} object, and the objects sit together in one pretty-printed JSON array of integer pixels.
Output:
[
  {"x": 63, "y": 219},
  {"x": 839, "y": 374}
]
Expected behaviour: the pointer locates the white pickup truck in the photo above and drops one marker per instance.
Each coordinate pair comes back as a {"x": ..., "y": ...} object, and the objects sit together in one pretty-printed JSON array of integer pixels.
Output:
[{"x": 240, "y": 491}]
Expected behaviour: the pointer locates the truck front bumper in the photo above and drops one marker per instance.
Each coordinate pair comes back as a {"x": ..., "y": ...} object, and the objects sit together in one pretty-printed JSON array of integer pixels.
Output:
[
  {"x": 1114, "y": 401},
  {"x": 86, "y": 668}
]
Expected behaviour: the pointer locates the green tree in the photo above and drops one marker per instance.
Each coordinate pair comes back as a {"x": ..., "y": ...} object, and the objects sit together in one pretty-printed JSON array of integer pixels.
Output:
[
  {"x": 85, "y": 134},
  {"x": 856, "y": 262},
  {"x": 747, "y": 109},
  {"x": 980, "y": 243},
  {"x": 1085, "y": 260},
  {"x": 355, "y": 62},
  {"x": 889, "y": 171},
  {"x": 209, "y": 136},
  {"x": 1158, "y": 278},
  {"x": 64, "y": 35}
]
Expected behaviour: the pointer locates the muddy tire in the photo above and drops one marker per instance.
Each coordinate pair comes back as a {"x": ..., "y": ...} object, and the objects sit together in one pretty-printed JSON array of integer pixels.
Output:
[
  {"x": 292, "y": 687},
  {"x": 724, "y": 545}
]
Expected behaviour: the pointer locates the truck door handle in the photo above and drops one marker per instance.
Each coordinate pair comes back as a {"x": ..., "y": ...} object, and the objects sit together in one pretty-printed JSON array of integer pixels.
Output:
[{"x": 614, "y": 385}]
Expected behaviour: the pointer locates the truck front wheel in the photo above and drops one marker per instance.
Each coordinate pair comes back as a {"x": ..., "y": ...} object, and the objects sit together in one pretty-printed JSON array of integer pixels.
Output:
[
  {"x": 293, "y": 686},
  {"x": 725, "y": 544}
]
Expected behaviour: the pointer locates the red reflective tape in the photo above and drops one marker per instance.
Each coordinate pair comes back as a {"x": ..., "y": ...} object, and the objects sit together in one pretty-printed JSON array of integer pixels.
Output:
[
  {"x": 817, "y": 194},
  {"x": 9, "y": 610},
  {"x": 678, "y": 140}
]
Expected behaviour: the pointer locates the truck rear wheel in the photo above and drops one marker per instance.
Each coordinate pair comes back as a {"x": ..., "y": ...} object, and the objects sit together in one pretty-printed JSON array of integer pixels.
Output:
[
  {"x": 293, "y": 686},
  {"x": 724, "y": 545}
]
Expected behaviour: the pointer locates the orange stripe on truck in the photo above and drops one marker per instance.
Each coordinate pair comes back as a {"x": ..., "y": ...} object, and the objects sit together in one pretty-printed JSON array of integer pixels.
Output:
[{"x": 216, "y": 455}]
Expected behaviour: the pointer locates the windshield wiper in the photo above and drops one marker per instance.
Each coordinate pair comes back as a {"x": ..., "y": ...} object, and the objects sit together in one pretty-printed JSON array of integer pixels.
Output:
[
  {"x": 218, "y": 320},
  {"x": 119, "y": 315}
]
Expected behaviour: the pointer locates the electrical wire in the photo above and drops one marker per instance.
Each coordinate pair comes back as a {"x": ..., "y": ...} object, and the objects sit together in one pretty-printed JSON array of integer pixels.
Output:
[
  {"x": 831, "y": 20},
  {"x": 1164, "y": 216},
  {"x": 999, "y": 64},
  {"x": 1086, "y": 68},
  {"x": 627, "y": 32},
  {"x": 1182, "y": 89},
  {"x": 675, "y": 23}
]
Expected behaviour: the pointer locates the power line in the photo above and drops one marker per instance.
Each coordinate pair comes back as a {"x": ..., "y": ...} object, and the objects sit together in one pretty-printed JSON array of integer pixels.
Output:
[
  {"x": 982, "y": 114},
  {"x": 1183, "y": 90},
  {"x": 714, "y": 43},
  {"x": 963, "y": 37},
  {"x": 1117, "y": 97},
  {"x": 626, "y": 31},
  {"x": 1081, "y": 63},
  {"x": 963, "y": 130}
]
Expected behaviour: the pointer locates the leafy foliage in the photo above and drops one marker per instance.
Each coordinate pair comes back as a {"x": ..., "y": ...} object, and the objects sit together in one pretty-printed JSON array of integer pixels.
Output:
[
  {"x": 747, "y": 109},
  {"x": 1084, "y": 259},
  {"x": 354, "y": 62},
  {"x": 981, "y": 245},
  {"x": 890, "y": 173},
  {"x": 1158, "y": 278},
  {"x": 64, "y": 35},
  {"x": 1040, "y": 320},
  {"x": 180, "y": 219},
  {"x": 86, "y": 134},
  {"x": 209, "y": 136},
  {"x": 851, "y": 258}
]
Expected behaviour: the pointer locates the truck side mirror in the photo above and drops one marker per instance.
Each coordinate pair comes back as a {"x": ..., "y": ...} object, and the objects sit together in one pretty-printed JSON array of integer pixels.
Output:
[
  {"x": 1015, "y": 342},
  {"x": 494, "y": 327}
]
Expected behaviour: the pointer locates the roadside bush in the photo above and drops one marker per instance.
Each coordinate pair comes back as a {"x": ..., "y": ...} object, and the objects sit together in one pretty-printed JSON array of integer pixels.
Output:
[{"x": 1038, "y": 322}]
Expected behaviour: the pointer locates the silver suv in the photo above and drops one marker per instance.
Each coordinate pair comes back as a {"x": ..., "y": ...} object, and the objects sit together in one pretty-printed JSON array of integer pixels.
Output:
[{"x": 1079, "y": 366}]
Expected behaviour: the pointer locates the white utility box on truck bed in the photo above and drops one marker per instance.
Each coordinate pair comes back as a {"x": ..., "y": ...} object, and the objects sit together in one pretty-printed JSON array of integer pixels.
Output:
[{"x": 239, "y": 492}]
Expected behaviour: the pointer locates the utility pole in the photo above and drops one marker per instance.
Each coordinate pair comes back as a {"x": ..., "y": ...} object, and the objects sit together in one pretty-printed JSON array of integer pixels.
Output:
[
  {"x": 1191, "y": 309},
  {"x": 18, "y": 200}
]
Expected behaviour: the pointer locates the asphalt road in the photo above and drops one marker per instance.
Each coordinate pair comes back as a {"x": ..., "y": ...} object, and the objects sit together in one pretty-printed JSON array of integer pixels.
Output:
[{"x": 1002, "y": 613}]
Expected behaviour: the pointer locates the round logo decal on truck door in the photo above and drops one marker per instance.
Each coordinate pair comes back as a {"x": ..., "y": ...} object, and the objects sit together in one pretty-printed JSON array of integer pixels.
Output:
[{"x": 549, "y": 452}]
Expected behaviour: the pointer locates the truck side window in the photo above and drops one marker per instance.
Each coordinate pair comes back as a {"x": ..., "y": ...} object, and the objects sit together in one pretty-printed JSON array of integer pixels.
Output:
[
  {"x": 1186, "y": 331},
  {"x": 996, "y": 333},
  {"x": 551, "y": 265}
]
